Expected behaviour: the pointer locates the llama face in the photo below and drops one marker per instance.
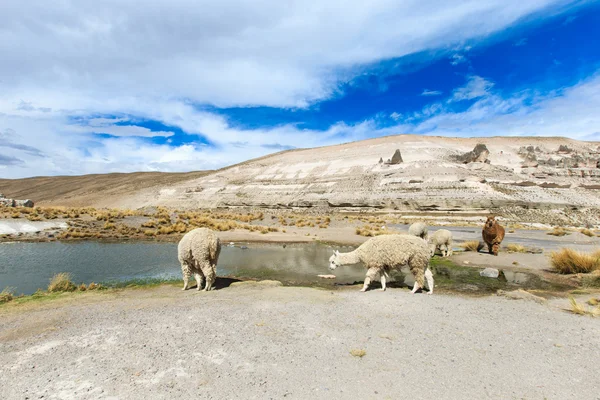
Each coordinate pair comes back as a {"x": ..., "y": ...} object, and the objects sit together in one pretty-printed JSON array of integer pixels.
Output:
[
  {"x": 490, "y": 222},
  {"x": 333, "y": 262}
]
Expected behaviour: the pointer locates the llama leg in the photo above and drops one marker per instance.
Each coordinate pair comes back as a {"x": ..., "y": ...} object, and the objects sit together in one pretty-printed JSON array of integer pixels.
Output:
[
  {"x": 415, "y": 288},
  {"x": 371, "y": 274},
  {"x": 495, "y": 248},
  {"x": 449, "y": 249},
  {"x": 429, "y": 277},
  {"x": 199, "y": 279},
  {"x": 209, "y": 274},
  {"x": 186, "y": 272},
  {"x": 490, "y": 248},
  {"x": 419, "y": 278},
  {"x": 383, "y": 280}
]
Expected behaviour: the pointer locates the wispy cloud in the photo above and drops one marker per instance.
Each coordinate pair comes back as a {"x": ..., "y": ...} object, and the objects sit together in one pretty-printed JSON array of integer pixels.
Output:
[
  {"x": 395, "y": 116},
  {"x": 431, "y": 93},
  {"x": 568, "y": 112},
  {"x": 476, "y": 87},
  {"x": 456, "y": 59},
  {"x": 521, "y": 42},
  {"x": 6, "y": 161}
]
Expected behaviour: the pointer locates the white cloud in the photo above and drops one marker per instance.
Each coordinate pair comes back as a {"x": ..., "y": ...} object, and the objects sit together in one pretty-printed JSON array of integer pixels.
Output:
[
  {"x": 395, "y": 116},
  {"x": 476, "y": 87},
  {"x": 431, "y": 92},
  {"x": 571, "y": 112},
  {"x": 230, "y": 52},
  {"x": 457, "y": 59}
]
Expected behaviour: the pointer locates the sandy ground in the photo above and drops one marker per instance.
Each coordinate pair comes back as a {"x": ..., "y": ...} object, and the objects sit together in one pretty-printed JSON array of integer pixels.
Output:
[{"x": 259, "y": 340}]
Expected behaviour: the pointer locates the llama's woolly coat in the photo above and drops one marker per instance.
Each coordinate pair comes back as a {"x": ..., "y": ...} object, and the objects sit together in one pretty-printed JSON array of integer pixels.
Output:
[
  {"x": 418, "y": 229},
  {"x": 493, "y": 234},
  {"x": 442, "y": 240},
  {"x": 198, "y": 252},
  {"x": 383, "y": 253}
]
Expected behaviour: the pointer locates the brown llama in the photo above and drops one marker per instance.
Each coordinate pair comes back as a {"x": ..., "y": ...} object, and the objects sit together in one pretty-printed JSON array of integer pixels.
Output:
[{"x": 493, "y": 234}]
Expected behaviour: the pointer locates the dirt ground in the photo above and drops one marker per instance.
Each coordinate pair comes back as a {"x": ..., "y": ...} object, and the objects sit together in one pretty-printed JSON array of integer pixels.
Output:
[{"x": 259, "y": 340}]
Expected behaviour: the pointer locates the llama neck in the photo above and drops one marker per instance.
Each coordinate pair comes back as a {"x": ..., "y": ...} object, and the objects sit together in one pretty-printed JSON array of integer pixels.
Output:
[{"x": 348, "y": 258}]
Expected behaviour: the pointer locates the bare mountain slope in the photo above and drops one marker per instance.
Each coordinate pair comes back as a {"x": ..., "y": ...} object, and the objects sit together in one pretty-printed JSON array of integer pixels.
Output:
[
  {"x": 434, "y": 173},
  {"x": 88, "y": 190}
]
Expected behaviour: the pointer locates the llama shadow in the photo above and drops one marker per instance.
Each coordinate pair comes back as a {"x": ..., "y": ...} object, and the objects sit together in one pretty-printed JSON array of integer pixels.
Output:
[
  {"x": 220, "y": 283},
  {"x": 377, "y": 285}
]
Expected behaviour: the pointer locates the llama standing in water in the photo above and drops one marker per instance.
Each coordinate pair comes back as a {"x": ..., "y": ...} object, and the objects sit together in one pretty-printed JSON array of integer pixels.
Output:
[
  {"x": 383, "y": 253},
  {"x": 493, "y": 234},
  {"x": 441, "y": 239},
  {"x": 198, "y": 252}
]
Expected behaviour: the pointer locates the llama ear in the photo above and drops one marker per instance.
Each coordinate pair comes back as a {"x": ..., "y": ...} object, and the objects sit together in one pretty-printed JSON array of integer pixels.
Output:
[{"x": 336, "y": 252}]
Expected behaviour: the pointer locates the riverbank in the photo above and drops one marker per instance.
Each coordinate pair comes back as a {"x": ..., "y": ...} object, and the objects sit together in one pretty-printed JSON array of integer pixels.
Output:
[{"x": 256, "y": 340}]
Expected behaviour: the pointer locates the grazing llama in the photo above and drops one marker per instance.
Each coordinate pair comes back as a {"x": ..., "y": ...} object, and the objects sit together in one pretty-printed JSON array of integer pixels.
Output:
[{"x": 384, "y": 253}]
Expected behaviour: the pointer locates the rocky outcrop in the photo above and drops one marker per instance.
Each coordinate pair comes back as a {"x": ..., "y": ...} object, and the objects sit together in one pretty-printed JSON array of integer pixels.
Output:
[
  {"x": 24, "y": 203},
  {"x": 479, "y": 154},
  {"x": 397, "y": 157},
  {"x": 564, "y": 149},
  {"x": 15, "y": 203}
]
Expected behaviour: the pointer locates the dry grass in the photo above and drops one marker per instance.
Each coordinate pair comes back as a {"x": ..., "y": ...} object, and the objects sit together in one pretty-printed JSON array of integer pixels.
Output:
[
  {"x": 587, "y": 232},
  {"x": 567, "y": 261},
  {"x": 515, "y": 248},
  {"x": 360, "y": 353},
  {"x": 593, "y": 302},
  {"x": 109, "y": 226},
  {"x": 61, "y": 282},
  {"x": 6, "y": 295},
  {"x": 576, "y": 308},
  {"x": 373, "y": 230},
  {"x": 471, "y": 245},
  {"x": 558, "y": 231},
  {"x": 580, "y": 309}
]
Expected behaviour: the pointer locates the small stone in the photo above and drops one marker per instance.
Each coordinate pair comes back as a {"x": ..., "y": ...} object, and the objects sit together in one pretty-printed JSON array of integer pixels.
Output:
[
  {"x": 522, "y": 295},
  {"x": 490, "y": 273}
]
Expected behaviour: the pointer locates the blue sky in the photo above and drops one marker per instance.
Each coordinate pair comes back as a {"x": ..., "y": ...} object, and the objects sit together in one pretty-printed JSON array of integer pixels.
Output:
[{"x": 93, "y": 87}]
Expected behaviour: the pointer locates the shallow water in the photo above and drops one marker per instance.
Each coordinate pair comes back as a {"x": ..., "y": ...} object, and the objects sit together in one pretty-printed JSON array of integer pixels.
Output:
[{"x": 29, "y": 266}]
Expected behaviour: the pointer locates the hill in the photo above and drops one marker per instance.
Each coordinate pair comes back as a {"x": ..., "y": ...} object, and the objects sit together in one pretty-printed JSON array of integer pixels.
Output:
[
  {"x": 89, "y": 190},
  {"x": 433, "y": 174}
]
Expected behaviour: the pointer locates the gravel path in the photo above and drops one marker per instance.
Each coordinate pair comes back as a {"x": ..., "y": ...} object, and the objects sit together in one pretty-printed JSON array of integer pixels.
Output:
[{"x": 260, "y": 340}]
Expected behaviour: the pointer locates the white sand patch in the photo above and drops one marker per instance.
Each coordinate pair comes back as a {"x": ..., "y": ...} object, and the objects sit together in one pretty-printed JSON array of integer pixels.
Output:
[
  {"x": 166, "y": 192},
  {"x": 12, "y": 227}
]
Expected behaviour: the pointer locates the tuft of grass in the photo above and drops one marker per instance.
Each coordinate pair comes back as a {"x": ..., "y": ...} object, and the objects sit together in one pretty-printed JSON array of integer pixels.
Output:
[
  {"x": 593, "y": 302},
  {"x": 587, "y": 232},
  {"x": 558, "y": 231},
  {"x": 471, "y": 245},
  {"x": 82, "y": 287},
  {"x": 108, "y": 226},
  {"x": 360, "y": 353},
  {"x": 580, "y": 309},
  {"x": 515, "y": 248},
  {"x": 61, "y": 282},
  {"x": 576, "y": 308},
  {"x": 6, "y": 295},
  {"x": 568, "y": 261}
]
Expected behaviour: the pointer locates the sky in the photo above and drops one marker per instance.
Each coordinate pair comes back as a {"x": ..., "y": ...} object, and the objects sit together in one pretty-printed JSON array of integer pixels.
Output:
[{"x": 121, "y": 86}]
